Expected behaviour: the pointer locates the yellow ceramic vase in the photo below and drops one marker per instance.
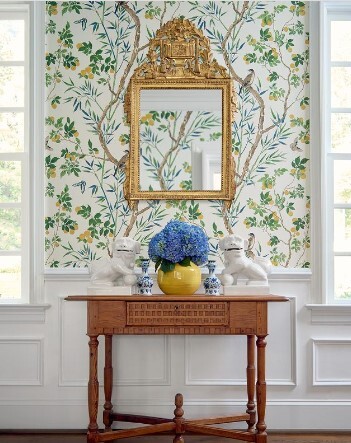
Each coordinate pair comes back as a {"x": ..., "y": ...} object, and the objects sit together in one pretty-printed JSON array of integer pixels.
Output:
[{"x": 183, "y": 280}]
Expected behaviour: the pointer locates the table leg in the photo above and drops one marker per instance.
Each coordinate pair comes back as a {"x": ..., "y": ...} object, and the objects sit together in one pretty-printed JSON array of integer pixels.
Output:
[
  {"x": 261, "y": 436},
  {"x": 178, "y": 419},
  {"x": 251, "y": 377},
  {"x": 108, "y": 376},
  {"x": 93, "y": 389}
]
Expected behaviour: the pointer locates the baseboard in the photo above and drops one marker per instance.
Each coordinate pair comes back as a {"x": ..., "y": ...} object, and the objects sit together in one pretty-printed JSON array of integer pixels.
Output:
[
  {"x": 299, "y": 432},
  {"x": 306, "y": 416}
]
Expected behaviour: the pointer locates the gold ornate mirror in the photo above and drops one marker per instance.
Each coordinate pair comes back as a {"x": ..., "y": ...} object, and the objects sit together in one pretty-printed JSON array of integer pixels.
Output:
[{"x": 180, "y": 105}]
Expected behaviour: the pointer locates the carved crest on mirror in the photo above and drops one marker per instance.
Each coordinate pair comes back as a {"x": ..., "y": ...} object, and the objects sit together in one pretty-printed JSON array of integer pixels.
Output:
[
  {"x": 179, "y": 59},
  {"x": 179, "y": 49}
]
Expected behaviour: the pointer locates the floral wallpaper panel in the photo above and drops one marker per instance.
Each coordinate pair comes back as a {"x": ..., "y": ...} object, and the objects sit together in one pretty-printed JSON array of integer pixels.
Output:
[{"x": 92, "y": 49}]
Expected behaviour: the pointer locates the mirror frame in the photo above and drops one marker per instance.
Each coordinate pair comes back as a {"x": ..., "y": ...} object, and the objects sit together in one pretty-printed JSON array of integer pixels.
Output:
[{"x": 179, "y": 57}]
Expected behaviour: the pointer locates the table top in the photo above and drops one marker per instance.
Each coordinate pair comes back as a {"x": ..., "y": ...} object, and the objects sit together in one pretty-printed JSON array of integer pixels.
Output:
[{"x": 181, "y": 298}]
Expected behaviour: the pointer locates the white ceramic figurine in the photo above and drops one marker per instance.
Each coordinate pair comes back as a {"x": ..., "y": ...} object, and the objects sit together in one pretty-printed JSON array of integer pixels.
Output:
[
  {"x": 119, "y": 269},
  {"x": 238, "y": 264}
]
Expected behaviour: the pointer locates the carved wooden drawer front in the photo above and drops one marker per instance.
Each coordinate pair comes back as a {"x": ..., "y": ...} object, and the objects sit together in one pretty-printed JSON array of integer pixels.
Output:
[{"x": 174, "y": 313}]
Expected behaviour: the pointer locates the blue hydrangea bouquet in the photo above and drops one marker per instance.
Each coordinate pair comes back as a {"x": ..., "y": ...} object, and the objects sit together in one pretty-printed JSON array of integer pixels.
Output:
[{"x": 181, "y": 243}]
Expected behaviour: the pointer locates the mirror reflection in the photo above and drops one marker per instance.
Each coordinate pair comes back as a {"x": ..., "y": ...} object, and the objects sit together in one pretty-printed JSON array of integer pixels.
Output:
[{"x": 180, "y": 139}]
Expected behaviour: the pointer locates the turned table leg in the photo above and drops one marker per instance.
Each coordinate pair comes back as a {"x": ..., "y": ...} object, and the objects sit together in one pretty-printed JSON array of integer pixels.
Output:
[
  {"x": 108, "y": 376},
  {"x": 261, "y": 436},
  {"x": 93, "y": 389},
  {"x": 251, "y": 377},
  {"x": 178, "y": 419}
]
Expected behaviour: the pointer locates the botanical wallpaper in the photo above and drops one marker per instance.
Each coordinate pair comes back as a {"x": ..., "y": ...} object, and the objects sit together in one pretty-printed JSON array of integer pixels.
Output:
[{"x": 92, "y": 49}]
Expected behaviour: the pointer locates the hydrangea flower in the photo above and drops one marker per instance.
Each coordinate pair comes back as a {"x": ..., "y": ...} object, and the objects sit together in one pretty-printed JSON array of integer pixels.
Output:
[{"x": 178, "y": 242}]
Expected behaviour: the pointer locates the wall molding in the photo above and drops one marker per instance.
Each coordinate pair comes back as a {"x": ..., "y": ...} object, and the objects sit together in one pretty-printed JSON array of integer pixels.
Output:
[
  {"x": 292, "y": 381},
  {"x": 65, "y": 381},
  {"x": 38, "y": 342},
  {"x": 82, "y": 274},
  {"x": 330, "y": 314},
  {"x": 23, "y": 313},
  {"x": 67, "y": 274},
  {"x": 317, "y": 345}
]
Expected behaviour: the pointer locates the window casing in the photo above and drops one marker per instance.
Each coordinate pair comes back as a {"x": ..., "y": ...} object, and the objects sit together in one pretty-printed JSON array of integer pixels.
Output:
[
  {"x": 15, "y": 82},
  {"x": 29, "y": 159},
  {"x": 335, "y": 26}
]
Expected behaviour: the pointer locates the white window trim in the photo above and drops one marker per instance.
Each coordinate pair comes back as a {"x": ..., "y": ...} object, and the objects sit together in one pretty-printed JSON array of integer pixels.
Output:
[
  {"x": 37, "y": 157},
  {"x": 20, "y": 13},
  {"x": 317, "y": 256},
  {"x": 322, "y": 312},
  {"x": 17, "y": 311},
  {"x": 329, "y": 10}
]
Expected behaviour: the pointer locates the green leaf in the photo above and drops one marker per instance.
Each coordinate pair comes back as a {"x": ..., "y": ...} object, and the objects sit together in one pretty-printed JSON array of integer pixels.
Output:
[
  {"x": 50, "y": 59},
  {"x": 185, "y": 262},
  {"x": 280, "y": 8},
  {"x": 71, "y": 6},
  {"x": 265, "y": 34},
  {"x": 273, "y": 76},
  {"x": 251, "y": 57},
  {"x": 298, "y": 59},
  {"x": 167, "y": 266},
  {"x": 305, "y": 101},
  {"x": 86, "y": 48}
]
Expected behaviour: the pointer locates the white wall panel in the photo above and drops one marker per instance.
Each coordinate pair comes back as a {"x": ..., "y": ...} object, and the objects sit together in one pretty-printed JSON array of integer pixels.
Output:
[
  {"x": 215, "y": 360},
  {"x": 21, "y": 361},
  {"x": 142, "y": 361},
  {"x": 73, "y": 344},
  {"x": 331, "y": 362},
  {"x": 281, "y": 342}
]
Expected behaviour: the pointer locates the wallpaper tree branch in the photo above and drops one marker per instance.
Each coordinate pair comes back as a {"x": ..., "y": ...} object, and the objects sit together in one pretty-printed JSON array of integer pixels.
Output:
[{"x": 93, "y": 49}]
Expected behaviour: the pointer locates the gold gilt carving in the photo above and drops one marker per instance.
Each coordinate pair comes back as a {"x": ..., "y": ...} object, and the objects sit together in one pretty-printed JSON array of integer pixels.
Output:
[
  {"x": 179, "y": 49},
  {"x": 179, "y": 57}
]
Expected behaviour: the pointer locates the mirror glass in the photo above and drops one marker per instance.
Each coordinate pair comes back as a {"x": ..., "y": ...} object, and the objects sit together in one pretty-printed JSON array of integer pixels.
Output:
[{"x": 180, "y": 139}]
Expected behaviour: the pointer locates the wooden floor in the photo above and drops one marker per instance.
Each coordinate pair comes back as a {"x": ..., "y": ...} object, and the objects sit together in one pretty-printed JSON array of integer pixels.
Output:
[{"x": 273, "y": 438}]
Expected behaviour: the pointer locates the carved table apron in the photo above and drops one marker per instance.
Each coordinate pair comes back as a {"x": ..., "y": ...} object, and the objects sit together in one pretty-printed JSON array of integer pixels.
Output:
[{"x": 178, "y": 315}]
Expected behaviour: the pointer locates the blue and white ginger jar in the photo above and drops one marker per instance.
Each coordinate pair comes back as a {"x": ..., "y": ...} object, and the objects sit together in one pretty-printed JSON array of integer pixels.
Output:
[
  {"x": 212, "y": 283},
  {"x": 145, "y": 282}
]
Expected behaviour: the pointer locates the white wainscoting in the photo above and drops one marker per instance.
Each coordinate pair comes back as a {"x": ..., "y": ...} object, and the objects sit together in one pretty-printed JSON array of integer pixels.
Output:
[
  {"x": 44, "y": 366},
  {"x": 21, "y": 361},
  {"x": 331, "y": 362}
]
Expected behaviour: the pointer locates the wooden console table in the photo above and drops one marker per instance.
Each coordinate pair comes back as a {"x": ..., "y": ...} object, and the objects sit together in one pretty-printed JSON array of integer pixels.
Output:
[{"x": 188, "y": 315}]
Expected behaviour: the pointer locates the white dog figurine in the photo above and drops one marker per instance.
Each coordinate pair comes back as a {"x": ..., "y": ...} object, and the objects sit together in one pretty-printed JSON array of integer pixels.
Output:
[
  {"x": 118, "y": 270},
  {"x": 236, "y": 263}
]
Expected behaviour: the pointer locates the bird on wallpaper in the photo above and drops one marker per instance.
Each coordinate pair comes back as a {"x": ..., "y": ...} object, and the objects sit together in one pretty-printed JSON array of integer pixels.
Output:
[
  {"x": 47, "y": 146},
  {"x": 123, "y": 160},
  {"x": 293, "y": 145},
  {"x": 250, "y": 244},
  {"x": 248, "y": 80}
]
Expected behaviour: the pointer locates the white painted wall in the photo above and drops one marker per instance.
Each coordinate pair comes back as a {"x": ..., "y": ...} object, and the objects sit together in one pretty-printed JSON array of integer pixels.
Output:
[{"x": 44, "y": 365}]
